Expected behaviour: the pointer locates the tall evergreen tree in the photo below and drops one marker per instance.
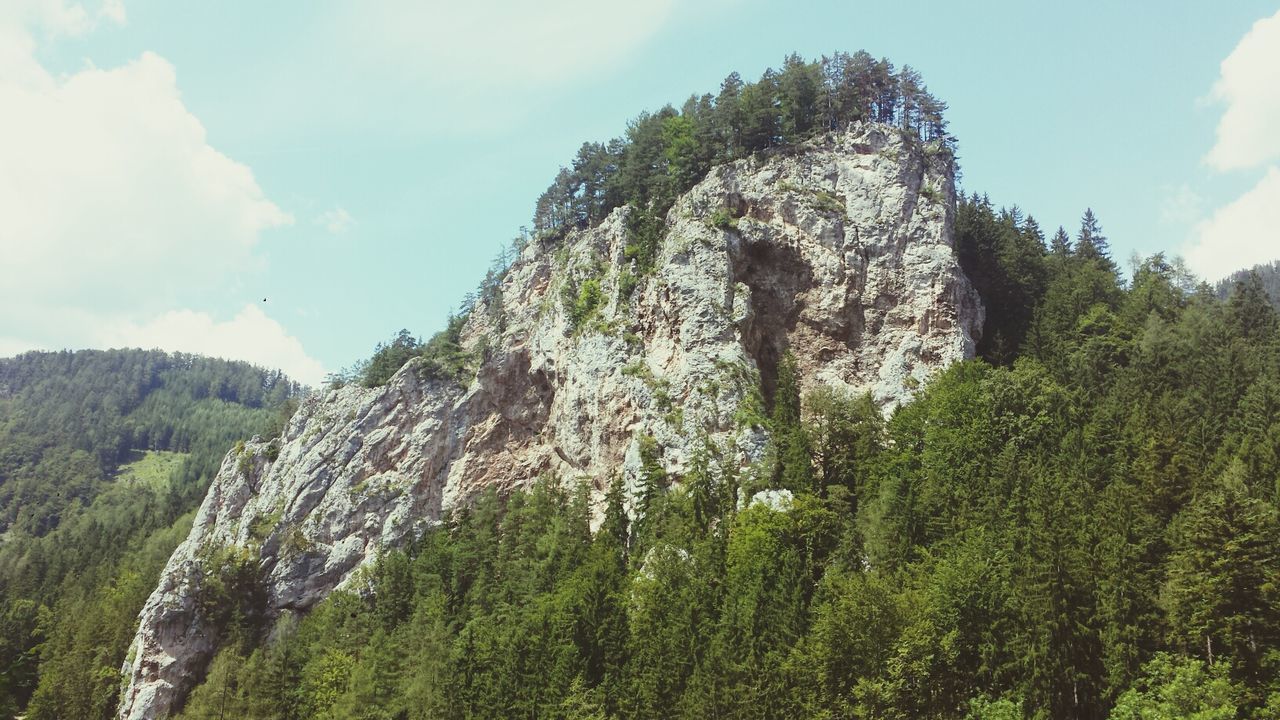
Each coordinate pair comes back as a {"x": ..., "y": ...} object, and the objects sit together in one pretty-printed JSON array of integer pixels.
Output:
[{"x": 1091, "y": 244}]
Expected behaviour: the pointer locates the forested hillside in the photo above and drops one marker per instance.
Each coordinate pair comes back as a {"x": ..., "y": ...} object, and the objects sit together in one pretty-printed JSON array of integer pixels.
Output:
[
  {"x": 1080, "y": 523},
  {"x": 103, "y": 454},
  {"x": 1268, "y": 274}
]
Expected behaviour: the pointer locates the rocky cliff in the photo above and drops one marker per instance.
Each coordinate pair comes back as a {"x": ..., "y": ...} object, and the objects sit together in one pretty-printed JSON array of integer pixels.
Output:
[{"x": 839, "y": 251}]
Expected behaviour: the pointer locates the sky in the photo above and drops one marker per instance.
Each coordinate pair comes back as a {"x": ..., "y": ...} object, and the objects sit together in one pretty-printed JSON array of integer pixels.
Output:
[{"x": 291, "y": 182}]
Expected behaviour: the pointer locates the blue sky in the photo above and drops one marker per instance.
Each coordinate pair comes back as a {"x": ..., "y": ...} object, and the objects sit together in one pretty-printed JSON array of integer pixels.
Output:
[{"x": 166, "y": 165}]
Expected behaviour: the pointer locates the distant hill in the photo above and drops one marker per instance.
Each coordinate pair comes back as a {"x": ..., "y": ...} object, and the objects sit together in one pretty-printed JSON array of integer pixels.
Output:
[
  {"x": 1268, "y": 274},
  {"x": 101, "y": 454}
]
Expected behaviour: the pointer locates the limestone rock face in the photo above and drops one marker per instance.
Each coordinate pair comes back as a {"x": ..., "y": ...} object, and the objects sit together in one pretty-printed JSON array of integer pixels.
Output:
[{"x": 838, "y": 251}]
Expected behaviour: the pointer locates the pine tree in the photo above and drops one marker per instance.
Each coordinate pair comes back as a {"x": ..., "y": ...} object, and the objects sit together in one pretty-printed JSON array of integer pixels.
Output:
[
  {"x": 798, "y": 85},
  {"x": 793, "y": 464},
  {"x": 1223, "y": 588},
  {"x": 1060, "y": 246},
  {"x": 1091, "y": 244}
]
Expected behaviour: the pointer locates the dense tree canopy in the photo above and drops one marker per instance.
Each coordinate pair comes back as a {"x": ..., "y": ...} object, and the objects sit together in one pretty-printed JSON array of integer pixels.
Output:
[
  {"x": 1267, "y": 281},
  {"x": 665, "y": 153},
  {"x": 1082, "y": 525},
  {"x": 1083, "y": 522},
  {"x": 90, "y": 510}
]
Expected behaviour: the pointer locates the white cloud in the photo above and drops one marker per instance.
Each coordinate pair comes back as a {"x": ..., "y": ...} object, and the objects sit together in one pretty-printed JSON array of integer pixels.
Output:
[
  {"x": 110, "y": 193},
  {"x": 251, "y": 335},
  {"x": 502, "y": 42},
  {"x": 337, "y": 220},
  {"x": 55, "y": 18},
  {"x": 115, "y": 208},
  {"x": 1239, "y": 235},
  {"x": 1249, "y": 85}
]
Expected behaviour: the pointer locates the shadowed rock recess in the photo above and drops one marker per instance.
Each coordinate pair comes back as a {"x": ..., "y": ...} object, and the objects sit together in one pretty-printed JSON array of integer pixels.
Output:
[{"x": 838, "y": 250}]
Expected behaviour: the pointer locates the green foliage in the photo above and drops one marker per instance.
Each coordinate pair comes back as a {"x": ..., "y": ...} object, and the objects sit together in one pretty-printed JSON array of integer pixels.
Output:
[
  {"x": 824, "y": 201},
  {"x": 665, "y": 153},
  {"x": 644, "y": 232},
  {"x": 102, "y": 457},
  {"x": 1003, "y": 255},
  {"x": 583, "y": 304},
  {"x": 723, "y": 219},
  {"x": 982, "y": 708},
  {"x": 792, "y": 450},
  {"x": 1081, "y": 523},
  {"x": 1222, "y": 591},
  {"x": 847, "y": 437},
  {"x": 244, "y": 465},
  {"x": 1173, "y": 687},
  {"x": 627, "y": 284},
  {"x": 153, "y": 469},
  {"x": 441, "y": 358},
  {"x": 231, "y": 593},
  {"x": 390, "y": 357},
  {"x": 1268, "y": 279},
  {"x": 1070, "y": 535}
]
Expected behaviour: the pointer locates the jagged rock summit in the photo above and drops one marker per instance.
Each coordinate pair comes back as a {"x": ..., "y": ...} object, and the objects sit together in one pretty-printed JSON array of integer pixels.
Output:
[{"x": 838, "y": 250}]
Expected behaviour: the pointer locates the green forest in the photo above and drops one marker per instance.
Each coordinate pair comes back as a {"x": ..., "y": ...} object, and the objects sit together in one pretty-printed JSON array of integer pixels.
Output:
[
  {"x": 665, "y": 153},
  {"x": 1081, "y": 523},
  {"x": 104, "y": 455}
]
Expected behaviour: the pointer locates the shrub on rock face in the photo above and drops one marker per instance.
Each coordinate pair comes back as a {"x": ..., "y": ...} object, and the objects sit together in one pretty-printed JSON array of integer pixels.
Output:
[
  {"x": 390, "y": 357},
  {"x": 231, "y": 595},
  {"x": 443, "y": 357}
]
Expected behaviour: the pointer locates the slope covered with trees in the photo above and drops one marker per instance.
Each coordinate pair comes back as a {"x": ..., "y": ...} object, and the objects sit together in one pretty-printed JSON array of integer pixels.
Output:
[
  {"x": 81, "y": 543},
  {"x": 1088, "y": 528},
  {"x": 1080, "y": 523},
  {"x": 1268, "y": 278}
]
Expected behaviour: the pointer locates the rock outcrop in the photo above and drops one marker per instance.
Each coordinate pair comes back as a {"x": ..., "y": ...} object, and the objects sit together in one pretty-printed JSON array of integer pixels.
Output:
[{"x": 838, "y": 251}]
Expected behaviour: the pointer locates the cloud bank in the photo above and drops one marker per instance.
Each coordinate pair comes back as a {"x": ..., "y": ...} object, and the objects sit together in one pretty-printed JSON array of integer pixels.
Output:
[
  {"x": 250, "y": 335},
  {"x": 1246, "y": 231},
  {"x": 113, "y": 205}
]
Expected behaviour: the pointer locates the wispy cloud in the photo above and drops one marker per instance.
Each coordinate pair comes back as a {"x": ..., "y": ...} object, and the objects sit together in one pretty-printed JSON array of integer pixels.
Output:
[
  {"x": 335, "y": 220},
  {"x": 421, "y": 69},
  {"x": 1181, "y": 205}
]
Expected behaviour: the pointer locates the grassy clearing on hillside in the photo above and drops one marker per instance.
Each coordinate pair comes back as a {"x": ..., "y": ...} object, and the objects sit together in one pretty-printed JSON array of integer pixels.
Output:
[{"x": 151, "y": 469}]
